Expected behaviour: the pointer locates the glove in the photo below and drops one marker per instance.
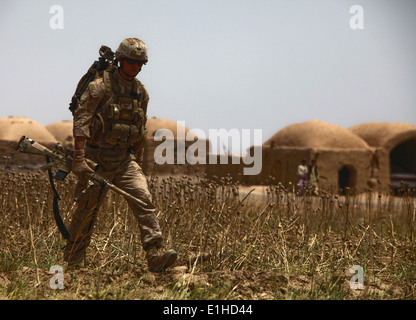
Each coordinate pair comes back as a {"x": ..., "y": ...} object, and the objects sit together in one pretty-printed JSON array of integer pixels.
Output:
[{"x": 79, "y": 166}]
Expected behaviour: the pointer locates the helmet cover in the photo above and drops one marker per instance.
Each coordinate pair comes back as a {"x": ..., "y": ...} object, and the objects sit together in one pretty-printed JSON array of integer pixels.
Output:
[{"x": 132, "y": 48}]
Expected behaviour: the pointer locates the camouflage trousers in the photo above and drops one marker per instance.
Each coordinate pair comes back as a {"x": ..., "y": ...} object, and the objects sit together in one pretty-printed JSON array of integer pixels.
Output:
[{"x": 128, "y": 176}]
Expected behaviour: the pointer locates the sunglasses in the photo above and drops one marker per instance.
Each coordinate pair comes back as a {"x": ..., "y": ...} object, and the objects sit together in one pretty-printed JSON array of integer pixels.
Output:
[{"x": 132, "y": 61}]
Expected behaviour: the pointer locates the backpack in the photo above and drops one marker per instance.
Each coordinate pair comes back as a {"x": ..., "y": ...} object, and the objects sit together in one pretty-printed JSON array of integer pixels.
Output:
[{"x": 105, "y": 61}]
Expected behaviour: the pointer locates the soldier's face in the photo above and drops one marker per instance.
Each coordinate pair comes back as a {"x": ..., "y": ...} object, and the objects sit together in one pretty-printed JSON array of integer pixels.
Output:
[{"x": 130, "y": 68}]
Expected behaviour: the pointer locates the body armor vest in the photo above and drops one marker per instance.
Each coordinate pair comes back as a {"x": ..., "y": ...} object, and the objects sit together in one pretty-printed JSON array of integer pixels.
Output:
[{"x": 120, "y": 118}]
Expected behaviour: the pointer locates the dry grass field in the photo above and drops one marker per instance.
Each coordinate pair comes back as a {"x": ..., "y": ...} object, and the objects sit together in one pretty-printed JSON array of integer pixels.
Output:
[{"x": 232, "y": 244}]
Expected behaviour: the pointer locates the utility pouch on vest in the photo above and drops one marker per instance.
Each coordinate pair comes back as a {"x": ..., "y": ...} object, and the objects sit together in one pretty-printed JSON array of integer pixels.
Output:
[
  {"x": 134, "y": 134},
  {"x": 127, "y": 106},
  {"x": 119, "y": 132},
  {"x": 113, "y": 111}
]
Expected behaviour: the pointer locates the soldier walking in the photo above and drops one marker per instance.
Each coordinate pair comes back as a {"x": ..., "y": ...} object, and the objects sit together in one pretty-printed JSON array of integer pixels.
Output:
[{"x": 109, "y": 128}]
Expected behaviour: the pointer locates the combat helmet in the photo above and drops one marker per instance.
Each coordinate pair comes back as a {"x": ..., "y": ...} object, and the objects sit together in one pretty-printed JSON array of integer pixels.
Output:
[{"x": 132, "y": 48}]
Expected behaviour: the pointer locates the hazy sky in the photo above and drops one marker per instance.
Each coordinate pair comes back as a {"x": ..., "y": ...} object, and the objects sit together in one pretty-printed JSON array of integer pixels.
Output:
[{"x": 244, "y": 64}]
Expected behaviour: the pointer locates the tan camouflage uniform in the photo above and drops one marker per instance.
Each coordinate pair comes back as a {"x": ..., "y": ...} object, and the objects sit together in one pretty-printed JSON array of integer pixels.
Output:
[{"x": 118, "y": 163}]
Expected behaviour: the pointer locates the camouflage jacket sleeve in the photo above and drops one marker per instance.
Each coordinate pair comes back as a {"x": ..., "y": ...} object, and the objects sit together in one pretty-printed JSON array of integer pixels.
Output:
[
  {"x": 87, "y": 106},
  {"x": 144, "y": 103},
  {"x": 145, "y": 99}
]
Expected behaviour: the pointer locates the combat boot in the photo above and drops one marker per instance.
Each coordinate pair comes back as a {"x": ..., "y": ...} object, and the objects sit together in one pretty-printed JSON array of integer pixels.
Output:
[
  {"x": 74, "y": 255},
  {"x": 159, "y": 263}
]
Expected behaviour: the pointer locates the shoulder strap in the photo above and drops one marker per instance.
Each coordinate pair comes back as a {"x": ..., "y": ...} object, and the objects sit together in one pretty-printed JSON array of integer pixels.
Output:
[
  {"x": 133, "y": 93},
  {"x": 61, "y": 226},
  {"x": 108, "y": 82}
]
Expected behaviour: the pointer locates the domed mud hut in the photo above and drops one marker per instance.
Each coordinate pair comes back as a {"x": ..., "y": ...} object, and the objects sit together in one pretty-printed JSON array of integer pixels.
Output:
[
  {"x": 342, "y": 157},
  {"x": 63, "y": 132},
  {"x": 163, "y": 134},
  {"x": 11, "y": 130},
  {"x": 394, "y": 147}
]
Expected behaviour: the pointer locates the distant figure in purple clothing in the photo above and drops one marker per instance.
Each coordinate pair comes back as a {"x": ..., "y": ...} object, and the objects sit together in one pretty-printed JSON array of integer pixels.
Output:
[{"x": 302, "y": 176}]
